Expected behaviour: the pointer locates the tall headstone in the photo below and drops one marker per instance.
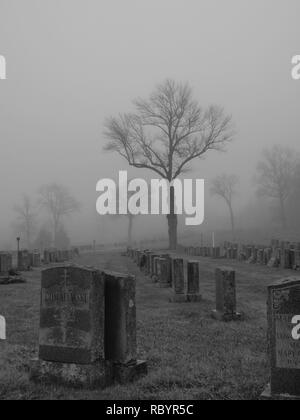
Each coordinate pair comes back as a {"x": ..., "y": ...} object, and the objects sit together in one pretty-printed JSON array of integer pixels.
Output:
[
  {"x": 164, "y": 278},
  {"x": 120, "y": 328},
  {"x": 225, "y": 295},
  {"x": 36, "y": 259},
  {"x": 193, "y": 281},
  {"x": 284, "y": 339},
  {"x": 71, "y": 342},
  {"x": 178, "y": 281}
]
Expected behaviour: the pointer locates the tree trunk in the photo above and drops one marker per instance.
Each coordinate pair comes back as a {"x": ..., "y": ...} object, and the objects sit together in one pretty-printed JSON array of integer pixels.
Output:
[
  {"x": 282, "y": 214},
  {"x": 232, "y": 222},
  {"x": 28, "y": 239},
  {"x": 55, "y": 234},
  {"x": 172, "y": 222},
  {"x": 130, "y": 227}
]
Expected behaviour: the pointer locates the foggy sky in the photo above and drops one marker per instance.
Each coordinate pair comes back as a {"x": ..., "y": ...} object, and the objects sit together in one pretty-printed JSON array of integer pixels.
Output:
[{"x": 72, "y": 63}]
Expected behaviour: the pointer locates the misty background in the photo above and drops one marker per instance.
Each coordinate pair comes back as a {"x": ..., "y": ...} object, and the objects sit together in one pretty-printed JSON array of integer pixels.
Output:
[{"x": 73, "y": 63}]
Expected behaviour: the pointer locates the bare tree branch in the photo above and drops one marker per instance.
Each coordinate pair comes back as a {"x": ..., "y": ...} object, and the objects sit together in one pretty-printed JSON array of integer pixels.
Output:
[
  {"x": 275, "y": 175},
  {"x": 58, "y": 201},
  {"x": 168, "y": 131}
]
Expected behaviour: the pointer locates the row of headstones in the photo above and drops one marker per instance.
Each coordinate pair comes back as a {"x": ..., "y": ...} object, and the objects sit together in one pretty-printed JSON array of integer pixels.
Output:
[
  {"x": 87, "y": 328},
  {"x": 183, "y": 277},
  {"x": 27, "y": 260},
  {"x": 283, "y": 316},
  {"x": 280, "y": 254}
]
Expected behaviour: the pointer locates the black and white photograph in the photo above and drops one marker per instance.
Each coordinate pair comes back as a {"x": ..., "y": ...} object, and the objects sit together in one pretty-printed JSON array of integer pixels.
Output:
[{"x": 150, "y": 203}]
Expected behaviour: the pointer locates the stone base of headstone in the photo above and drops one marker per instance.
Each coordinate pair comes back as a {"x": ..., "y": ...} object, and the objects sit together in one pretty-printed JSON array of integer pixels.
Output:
[
  {"x": 267, "y": 396},
  {"x": 91, "y": 376},
  {"x": 220, "y": 316},
  {"x": 193, "y": 298},
  {"x": 126, "y": 373},
  {"x": 178, "y": 298}
]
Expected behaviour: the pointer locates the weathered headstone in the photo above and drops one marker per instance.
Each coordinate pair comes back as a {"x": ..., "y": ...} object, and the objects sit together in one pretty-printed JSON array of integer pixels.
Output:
[
  {"x": 284, "y": 339},
  {"x": 24, "y": 261},
  {"x": 71, "y": 343},
  {"x": 225, "y": 295},
  {"x": 193, "y": 281},
  {"x": 178, "y": 281},
  {"x": 120, "y": 328},
  {"x": 164, "y": 277},
  {"x": 46, "y": 260},
  {"x": 216, "y": 252},
  {"x": 286, "y": 262},
  {"x": 5, "y": 264},
  {"x": 36, "y": 259}
]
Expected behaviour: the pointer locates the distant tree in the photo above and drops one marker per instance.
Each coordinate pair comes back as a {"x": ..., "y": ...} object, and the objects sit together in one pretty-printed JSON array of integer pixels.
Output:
[
  {"x": 276, "y": 175},
  {"x": 44, "y": 239},
  {"x": 225, "y": 186},
  {"x": 26, "y": 222},
  {"x": 166, "y": 133},
  {"x": 59, "y": 203}
]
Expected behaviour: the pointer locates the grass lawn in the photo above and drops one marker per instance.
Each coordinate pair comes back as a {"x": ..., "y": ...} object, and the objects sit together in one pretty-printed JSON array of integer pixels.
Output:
[{"x": 190, "y": 355}]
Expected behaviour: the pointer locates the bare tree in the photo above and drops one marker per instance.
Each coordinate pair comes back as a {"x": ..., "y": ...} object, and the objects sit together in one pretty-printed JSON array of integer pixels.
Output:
[
  {"x": 275, "y": 176},
  {"x": 59, "y": 203},
  {"x": 26, "y": 219},
  {"x": 166, "y": 133},
  {"x": 225, "y": 186}
]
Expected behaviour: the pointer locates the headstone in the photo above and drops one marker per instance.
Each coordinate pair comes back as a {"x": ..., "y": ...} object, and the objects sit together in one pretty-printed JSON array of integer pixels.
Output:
[
  {"x": 285, "y": 255},
  {"x": 5, "y": 264},
  {"x": 156, "y": 269},
  {"x": 24, "y": 261},
  {"x": 193, "y": 281},
  {"x": 148, "y": 262},
  {"x": 178, "y": 281},
  {"x": 216, "y": 252},
  {"x": 120, "y": 328},
  {"x": 71, "y": 343},
  {"x": 284, "y": 339},
  {"x": 260, "y": 256},
  {"x": 36, "y": 260},
  {"x": 198, "y": 251},
  {"x": 164, "y": 273},
  {"x": 297, "y": 258},
  {"x": 142, "y": 261},
  {"x": 46, "y": 257},
  {"x": 225, "y": 295}
]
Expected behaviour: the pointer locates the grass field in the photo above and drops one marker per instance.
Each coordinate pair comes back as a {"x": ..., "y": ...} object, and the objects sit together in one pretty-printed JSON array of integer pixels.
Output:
[{"x": 190, "y": 356}]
